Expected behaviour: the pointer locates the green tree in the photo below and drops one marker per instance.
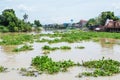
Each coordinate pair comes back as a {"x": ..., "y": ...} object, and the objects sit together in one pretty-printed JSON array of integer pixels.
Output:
[
  {"x": 25, "y": 17},
  {"x": 9, "y": 19},
  {"x": 107, "y": 15},
  {"x": 91, "y": 22},
  {"x": 37, "y": 23}
]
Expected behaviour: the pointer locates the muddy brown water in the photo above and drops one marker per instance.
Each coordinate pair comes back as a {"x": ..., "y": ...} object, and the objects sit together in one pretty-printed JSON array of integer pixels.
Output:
[{"x": 93, "y": 50}]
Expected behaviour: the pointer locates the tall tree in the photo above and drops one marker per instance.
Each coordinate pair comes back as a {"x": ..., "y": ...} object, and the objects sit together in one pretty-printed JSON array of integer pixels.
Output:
[
  {"x": 91, "y": 22},
  {"x": 107, "y": 15},
  {"x": 25, "y": 17},
  {"x": 9, "y": 19},
  {"x": 37, "y": 23}
]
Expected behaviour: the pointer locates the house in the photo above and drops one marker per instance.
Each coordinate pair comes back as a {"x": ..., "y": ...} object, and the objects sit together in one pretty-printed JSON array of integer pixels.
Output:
[
  {"x": 80, "y": 24},
  {"x": 112, "y": 26}
]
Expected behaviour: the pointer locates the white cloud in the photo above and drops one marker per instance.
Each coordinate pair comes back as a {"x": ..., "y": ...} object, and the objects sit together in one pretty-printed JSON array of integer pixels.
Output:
[
  {"x": 24, "y": 8},
  {"x": 116, "y": 6}
]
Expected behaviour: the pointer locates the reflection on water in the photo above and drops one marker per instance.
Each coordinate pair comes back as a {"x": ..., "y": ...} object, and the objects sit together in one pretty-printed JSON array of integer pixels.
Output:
[
  {"x": 107, "y": 43},
  {"x": 8, "y": 48},
  {"x": 93, "y": 50}
]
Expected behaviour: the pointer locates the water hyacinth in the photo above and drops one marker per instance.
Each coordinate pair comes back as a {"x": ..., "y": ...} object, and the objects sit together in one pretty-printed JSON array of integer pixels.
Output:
[
  {"x": 47, "y": 65},
  {"x": 104, "y": 67},
  {"x": 23, "y": 48}
]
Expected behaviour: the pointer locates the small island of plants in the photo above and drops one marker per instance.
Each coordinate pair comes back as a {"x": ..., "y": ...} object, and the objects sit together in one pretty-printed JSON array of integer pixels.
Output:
[
  {"x": 104, "y": 67},
  {"x": 45, "y": 64}
]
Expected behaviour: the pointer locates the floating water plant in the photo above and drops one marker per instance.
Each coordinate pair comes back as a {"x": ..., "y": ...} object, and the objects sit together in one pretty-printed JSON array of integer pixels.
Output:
[
  {"x": 80, "y": 47},
  {"x": 65, "y": 47},
  {"x": 28, "y": 72},
  {"x": 47, "y": 65},
  {"x": 15, "y": 39},
  {"x": 104, "y": 67},
  {"x": 23, "y": 48},
  {"x": 2, "y": 69},
  {"x": 46, "y": 47}
]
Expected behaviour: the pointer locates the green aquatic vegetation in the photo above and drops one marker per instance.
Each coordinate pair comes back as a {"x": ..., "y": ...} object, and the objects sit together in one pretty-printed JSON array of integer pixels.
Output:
[
  {"x": 109, "y": 43},
  {"x": 23, "y": 69},
  {"x": 77, "y": 35},
  {"x": 95, "y": 39},
  {"x": 43, "y": 40},
  {"x": 65, "y": 47},
  {"x": 28, "y": 72},
  {"x": 49, "y": 41},
  {"x": 46, "y": 47},
  {"x": 15, "y": 39},
  {"x": 47, "y": 65},
  {"x": 80, "y": 47},
  {"x": 2, "y": 69},
  {"x": 55, "y": 40},
  {"x": 23, "y": 48},
  {"x": 104, "y": 67}
]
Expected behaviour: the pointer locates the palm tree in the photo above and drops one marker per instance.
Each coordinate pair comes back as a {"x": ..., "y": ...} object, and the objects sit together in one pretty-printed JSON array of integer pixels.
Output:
[{"x": 25, "y": 17}]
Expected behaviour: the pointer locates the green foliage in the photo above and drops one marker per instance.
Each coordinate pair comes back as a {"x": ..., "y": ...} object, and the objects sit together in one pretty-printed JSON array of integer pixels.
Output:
[
  {"x": 102, "y": 67},
  {"x": 49, "y": 48},
  {"x": 28, "y": 72},
  {"x": 25, "y": 17},
  {"x": 55, "y": 48},
  {"x": 23, "y": 48},
  {"x": 4, "y": 29},
  {"x": 47, "y": 65},
  {"x": 80, "y": 47},
  {"x": 76, "y": 36},
  {"x": 10, "y": 21},
  {"x": 107, "y": 15},
  {"x": 2, "y": 69},
  {"x": 100, "y": 20},
  {"x": 91, "y": 22},
  {"x": 65, "y": 47},
  {"x": 15, "y": 39},
  {"x": 37, "y": 23}
]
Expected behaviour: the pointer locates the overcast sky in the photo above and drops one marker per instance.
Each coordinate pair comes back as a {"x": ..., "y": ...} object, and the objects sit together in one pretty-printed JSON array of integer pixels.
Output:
[{"x": 60, "y": 11}]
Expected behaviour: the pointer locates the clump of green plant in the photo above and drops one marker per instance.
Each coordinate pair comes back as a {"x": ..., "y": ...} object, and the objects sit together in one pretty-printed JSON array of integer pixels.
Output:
[
  {"x": 65, "y": 47},
  {"x": 43, "y": 40},
  {"x": 77, "y": 35},
  {"x": 27, "y": 72},
  {"x": 15, "y": 39},
  {"x": 47, "y": 65},
  {"x": 2, "y": 69},
  {"x": 46, "y": 47},
  {"x": 108, "y": 43},
  {"x": 23, "y": 48},
  {"x": 80, "y": 47},
  {"x": 102, "y": 67}
]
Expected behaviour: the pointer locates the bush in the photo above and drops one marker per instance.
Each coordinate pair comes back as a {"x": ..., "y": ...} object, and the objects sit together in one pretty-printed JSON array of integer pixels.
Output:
[{"x": 4, "y": 29}]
